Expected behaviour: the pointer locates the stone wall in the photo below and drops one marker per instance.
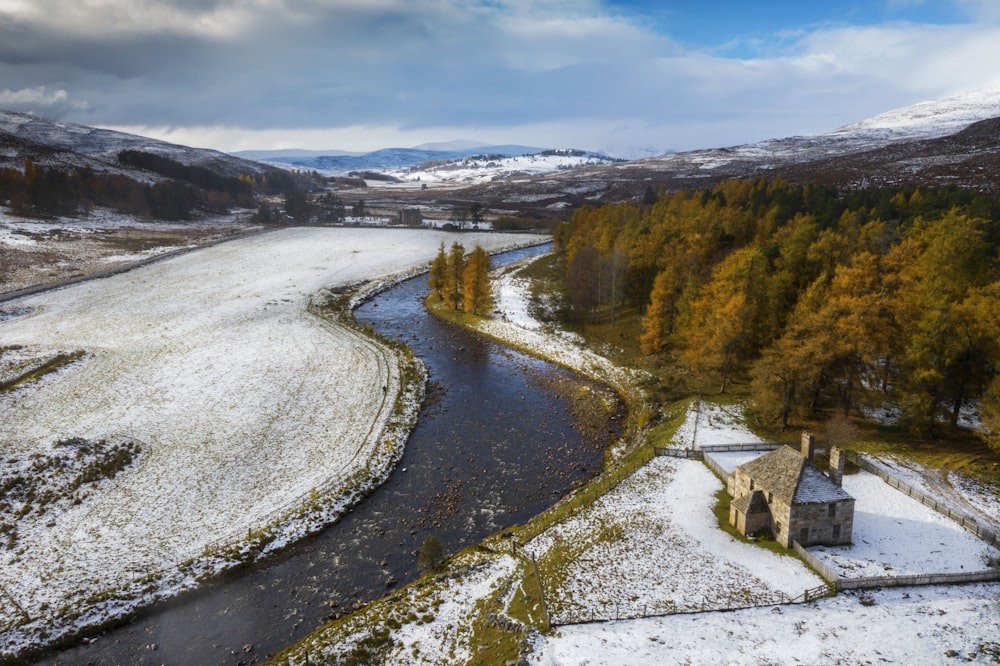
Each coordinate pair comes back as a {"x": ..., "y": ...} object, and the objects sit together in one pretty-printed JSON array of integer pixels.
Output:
[{"x": 821, "y": 527}]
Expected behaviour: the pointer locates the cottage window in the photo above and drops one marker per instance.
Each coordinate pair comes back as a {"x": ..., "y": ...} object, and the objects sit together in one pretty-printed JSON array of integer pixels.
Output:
[
  {"x": 836, "y": 531},
  {"x": 804, "y": 534},
  {"x": 832, "y": 511}
]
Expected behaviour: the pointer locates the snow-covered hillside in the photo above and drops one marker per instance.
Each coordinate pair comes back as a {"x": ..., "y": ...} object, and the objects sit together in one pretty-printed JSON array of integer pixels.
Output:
[
  {"x": 422, "y": 165},
  {"x": 95, "y": 147},
  {"x": 486, "y": 168},
  {"x": 933, "y": 118},
  {"x": 926, "y": 120}
]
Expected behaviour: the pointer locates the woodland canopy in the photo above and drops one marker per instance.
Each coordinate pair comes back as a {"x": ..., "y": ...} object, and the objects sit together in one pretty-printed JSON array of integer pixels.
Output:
[{"x": 872, "y": 300}]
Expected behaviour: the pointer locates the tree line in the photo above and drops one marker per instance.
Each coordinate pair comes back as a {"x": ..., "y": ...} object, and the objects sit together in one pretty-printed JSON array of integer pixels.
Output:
[
  {"x": 37, "y": 191},
  {"x": 462, "y": 281},
  {"x": 821, "y": 300}
]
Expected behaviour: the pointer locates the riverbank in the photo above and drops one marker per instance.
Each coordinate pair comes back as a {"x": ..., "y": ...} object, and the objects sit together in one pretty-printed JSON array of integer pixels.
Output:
[{"x": 492, "y": 591}]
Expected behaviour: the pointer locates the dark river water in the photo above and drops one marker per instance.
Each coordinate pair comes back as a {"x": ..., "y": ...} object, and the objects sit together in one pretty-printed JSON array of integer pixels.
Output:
[{"x": 496, "y": 443}]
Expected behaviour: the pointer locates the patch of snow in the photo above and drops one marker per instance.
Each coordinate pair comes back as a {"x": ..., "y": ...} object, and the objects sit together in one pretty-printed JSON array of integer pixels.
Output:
[
  {"x": 985, "y": 498},
  {"x": 730, "y": 460},
  {"x": 475, "y": 170},
  {"x": 663, "y": 552},
  {"x": 895, "y": 535},
  {"x": 711, "y": 424},
  {"x": 448, "y": 639},
  {"x": 913, "y": 626}
]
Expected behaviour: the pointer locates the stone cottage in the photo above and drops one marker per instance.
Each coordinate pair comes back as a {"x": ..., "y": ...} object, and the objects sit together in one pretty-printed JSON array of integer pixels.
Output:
[{"x": 783, "y": 491}]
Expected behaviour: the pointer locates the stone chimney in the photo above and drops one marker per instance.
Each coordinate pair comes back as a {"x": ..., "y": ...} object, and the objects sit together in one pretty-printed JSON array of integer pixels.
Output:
[
  {"x": 808, "y": 445},
  {"x": 837, "y": 459}
]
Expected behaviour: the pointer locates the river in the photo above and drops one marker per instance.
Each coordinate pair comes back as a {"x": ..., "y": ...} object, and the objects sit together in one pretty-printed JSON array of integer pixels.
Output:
[{"x": 495, "y": 444}]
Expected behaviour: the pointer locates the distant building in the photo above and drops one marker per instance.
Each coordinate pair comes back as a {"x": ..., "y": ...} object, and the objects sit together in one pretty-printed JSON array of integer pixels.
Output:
[
  {"x": 411, "y": 217},
  {"x": 784, "y": 492}
]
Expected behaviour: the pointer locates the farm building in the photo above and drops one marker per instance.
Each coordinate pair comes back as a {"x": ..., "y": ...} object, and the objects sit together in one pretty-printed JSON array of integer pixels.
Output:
[{"x": 784, "y": 492}]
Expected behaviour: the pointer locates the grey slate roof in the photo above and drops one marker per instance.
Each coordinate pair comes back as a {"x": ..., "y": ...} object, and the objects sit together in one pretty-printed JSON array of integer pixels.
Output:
[
  {"x": 792, "y": 478},
  {"x": 752, "y": 503}
]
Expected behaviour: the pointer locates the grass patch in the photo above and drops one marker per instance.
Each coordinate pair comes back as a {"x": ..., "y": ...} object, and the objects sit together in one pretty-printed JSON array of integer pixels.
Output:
[
  {"x": 34, "y": 374},
  {"x": 437, "y": 307},
  {"x": 494, "y": 640}
]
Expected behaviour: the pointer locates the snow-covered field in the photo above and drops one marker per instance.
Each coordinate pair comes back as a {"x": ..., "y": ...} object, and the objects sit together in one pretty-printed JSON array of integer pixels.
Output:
[
  {"x": 653, "y": 546},
  {"x": 45, "y": 252},
  {"x": 245, "y": 407},
  {"x": 927, "y": 625},
  {"x": 895, "y": 535},
  {"x": 670, "y": 547},
  {"x": 711, "y": 424}
]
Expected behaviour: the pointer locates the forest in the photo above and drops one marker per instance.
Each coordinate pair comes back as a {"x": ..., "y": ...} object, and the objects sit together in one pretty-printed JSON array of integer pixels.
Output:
[
  {"x": 863, "y": 302},
  {"x": 43, "y": 192}
]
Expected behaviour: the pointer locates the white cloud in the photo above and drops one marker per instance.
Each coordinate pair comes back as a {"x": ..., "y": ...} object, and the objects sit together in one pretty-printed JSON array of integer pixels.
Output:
[
  {"x": 33, "y": 96},
  {"x": 981, "y": 10}
]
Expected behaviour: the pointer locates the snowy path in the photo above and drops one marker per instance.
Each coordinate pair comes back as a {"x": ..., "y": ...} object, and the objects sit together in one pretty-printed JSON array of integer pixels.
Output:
[{"x": 243, "y": 402}]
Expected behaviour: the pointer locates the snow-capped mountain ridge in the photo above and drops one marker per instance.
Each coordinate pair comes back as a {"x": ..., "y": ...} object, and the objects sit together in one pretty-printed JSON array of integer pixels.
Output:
[{"x": 929, "y": 119}]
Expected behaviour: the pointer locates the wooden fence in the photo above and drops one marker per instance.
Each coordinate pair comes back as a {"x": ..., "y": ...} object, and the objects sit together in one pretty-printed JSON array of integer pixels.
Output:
[
  {"x": 873, "y": 582},
  {"x": 687, "y": 454},
  {"x": 612, "y": 612}
]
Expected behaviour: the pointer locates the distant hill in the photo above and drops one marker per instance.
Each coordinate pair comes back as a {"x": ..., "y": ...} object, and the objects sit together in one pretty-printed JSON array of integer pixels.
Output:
[
  {"x": 51, "y": 169},
  {"x": 949, "y": 141},
  {"x": 264, "y": 155},
  {"x": 338, "y": 163},
  {"x": 68, "y": 145}
]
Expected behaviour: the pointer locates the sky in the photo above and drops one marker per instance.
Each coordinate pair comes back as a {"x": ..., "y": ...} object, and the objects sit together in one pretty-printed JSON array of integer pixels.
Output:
[{"x": 626, "y": 77}]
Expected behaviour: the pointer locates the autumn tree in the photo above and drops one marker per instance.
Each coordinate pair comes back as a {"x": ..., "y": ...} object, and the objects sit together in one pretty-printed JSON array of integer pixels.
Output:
[
  {"x": 451, "y": 286},
  {"x": 439, "y": 269},
  {"x": 726, "y": 327},
  {"x": 792, "y": 370},
  {"x": 582, "y": 282},
  {"x": 658, "y": 322},
  {"x": 476, "y": 296},
  {"x": 990, "y": 412},
  {"x": 946, "y": 360}
]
